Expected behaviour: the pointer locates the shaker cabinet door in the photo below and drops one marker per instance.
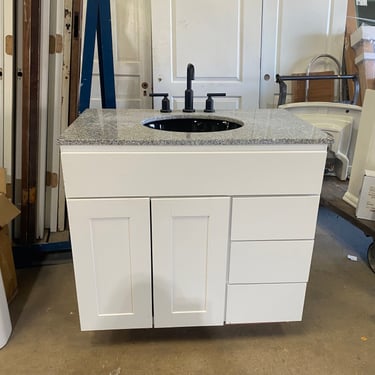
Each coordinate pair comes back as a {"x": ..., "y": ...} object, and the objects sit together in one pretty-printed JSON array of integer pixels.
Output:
[
  {"x": 189, "y": 247},
  {"x": 112, "y": 262}
]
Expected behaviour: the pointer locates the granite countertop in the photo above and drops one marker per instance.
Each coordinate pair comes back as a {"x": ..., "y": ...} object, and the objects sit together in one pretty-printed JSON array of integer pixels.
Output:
[{"x": 124, "y": 127}]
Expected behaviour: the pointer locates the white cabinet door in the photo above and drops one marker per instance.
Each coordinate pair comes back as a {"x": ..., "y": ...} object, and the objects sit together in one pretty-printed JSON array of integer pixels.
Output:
[
  {"x": 221, "y": 38},
  {"x": 112, "y": 262},
  {"x": 189, "y": 247}
]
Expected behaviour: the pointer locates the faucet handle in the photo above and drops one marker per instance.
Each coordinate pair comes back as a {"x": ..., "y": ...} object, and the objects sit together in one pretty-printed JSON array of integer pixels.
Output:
[
  {"x": 165, "y": 105},
  {"x": 210, "y": 101}
]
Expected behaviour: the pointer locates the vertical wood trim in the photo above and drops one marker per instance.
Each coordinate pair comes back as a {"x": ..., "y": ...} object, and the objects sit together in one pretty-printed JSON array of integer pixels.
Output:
[
  {"x": 43, "y": 116},
  {"x": 349, "y": 54},
  {"x": 75, "y": 60},
  {"x": 25, "y": 118},
  {"x": 30, "y": 117}
]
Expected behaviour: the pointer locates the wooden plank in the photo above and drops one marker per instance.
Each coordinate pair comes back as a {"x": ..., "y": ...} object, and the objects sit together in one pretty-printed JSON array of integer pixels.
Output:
[
  {"x": 17, "y": 187},
  {"x": 43, "y": 116},
  {"x": 30, "y": 117},
  {"x": 25, "y": 118},
  {"x": 75, "y": 60},
  {"x": 319, "y": 91},
  {"x": 349, "y": 54}
]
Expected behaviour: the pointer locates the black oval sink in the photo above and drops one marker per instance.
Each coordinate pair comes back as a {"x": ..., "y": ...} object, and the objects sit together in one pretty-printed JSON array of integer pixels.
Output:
[{"x": 192, "y": 124}]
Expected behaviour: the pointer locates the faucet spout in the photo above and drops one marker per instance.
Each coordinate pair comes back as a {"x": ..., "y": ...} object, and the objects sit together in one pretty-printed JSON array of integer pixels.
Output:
[{"x": 189, "y": 93}]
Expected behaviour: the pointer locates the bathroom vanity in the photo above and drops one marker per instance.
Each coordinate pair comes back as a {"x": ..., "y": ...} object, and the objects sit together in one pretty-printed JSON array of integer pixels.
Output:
[{"x": 176, "y": 229}]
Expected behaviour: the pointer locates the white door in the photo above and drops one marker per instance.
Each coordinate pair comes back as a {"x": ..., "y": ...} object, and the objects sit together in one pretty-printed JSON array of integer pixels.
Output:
[
  {"x": 55, "y": 67},
  {"x": 239, "y": 46},
  {"x": 112, "y": 262},
  {"x": 189, "y": 248},
  {"x": 6, "y": 86},
  {"x": 222, "y": 39},
  {"x": 294, "y": 32},
  {"x": 18, "y": 115},
  {"x": 131, "y": 36},
  {"x": 2, "y": 141},
  {"x": 43, "y": 116}
]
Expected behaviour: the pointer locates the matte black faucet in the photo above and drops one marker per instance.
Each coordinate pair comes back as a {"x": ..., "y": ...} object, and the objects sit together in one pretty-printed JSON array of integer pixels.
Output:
[{"x": 189, "y": 93}]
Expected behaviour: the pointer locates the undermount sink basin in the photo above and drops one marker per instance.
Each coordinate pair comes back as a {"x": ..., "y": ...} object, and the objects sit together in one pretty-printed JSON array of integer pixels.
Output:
[{"x": 193, "y": 124}]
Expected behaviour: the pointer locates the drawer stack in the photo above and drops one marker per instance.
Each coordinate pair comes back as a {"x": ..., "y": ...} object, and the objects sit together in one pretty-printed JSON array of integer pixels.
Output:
[{"x": 271, "y": 247}]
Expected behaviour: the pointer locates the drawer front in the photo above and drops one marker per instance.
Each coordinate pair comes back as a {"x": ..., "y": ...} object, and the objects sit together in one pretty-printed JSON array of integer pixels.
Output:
[
  {"x": 270, "y": 261},
  {"x": 209, "y": 173},
  {"x": 274, "y": 218},
  {"x": 261, "y": 303}
]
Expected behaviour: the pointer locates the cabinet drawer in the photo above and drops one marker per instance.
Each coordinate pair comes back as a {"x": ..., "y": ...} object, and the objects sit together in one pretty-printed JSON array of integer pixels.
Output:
[
  {"x": 274, "y": 218},
  {"x": 260, "y": 303},
  {"x": 191, "y": 172},
  {"x": 270, "y": 261}
]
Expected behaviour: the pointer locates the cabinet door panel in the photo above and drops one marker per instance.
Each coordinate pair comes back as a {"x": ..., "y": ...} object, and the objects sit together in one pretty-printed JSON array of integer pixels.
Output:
[
  {"x": 190, "y": 243},
  {"x": 112, "y": 262}
]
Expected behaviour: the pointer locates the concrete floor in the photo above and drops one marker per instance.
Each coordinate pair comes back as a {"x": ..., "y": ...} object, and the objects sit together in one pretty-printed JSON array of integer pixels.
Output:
[{"x": 336, "y": 336}]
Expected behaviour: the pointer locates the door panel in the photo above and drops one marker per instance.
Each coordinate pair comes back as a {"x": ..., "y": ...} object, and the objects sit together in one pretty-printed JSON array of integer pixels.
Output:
[
  {"x": 112, "y": 262},
  {"x": 2, "y": 141},
  {"x": 55, "y": 68},
  {"x": 189, "y": 241},
  {"x": 222, "y": 41},
  {"x": 6, "y": 86}
]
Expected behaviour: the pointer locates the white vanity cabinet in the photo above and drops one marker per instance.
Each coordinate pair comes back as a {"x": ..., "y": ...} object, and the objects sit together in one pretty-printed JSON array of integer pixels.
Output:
[{"x": 166, "y": 236}]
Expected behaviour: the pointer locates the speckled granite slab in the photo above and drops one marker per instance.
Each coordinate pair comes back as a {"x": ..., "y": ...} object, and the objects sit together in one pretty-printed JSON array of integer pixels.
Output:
[{"x": 124, "y": 127}]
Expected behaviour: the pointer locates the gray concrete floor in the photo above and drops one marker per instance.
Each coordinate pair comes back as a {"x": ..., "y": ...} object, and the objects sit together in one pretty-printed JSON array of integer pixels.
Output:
[{"x": 336, "y": 336}]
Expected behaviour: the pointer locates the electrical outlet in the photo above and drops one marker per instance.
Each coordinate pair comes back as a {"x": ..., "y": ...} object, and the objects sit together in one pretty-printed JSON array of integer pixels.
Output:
[{"x": 362, "y": 3}]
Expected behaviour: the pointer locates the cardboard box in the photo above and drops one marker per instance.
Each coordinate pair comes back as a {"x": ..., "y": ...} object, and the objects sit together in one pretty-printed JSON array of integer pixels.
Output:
[
  {"x": 7, "y": 213},
  {"x": 366, "y": 202}
]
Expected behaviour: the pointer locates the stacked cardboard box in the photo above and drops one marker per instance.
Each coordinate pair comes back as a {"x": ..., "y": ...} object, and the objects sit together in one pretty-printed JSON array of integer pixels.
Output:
[
  {"x": 362, "y": 41},
  {"x": 7, "y": 213},
  {"x": 366, "y": 202}
]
